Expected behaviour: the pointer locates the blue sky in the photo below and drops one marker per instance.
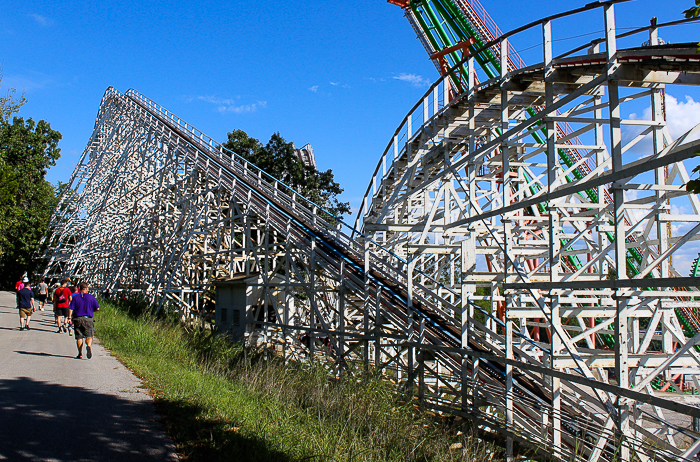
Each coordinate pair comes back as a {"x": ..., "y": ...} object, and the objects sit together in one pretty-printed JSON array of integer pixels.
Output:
[{"x": 338, "y": 75}]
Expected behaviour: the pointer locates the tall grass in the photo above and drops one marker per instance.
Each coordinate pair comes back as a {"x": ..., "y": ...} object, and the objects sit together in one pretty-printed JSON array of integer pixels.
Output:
[{"x": 219, "y": 404}]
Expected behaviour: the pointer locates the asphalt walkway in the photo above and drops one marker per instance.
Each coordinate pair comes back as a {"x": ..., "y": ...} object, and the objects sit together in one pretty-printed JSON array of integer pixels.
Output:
[{"x": 54, "y": 407}]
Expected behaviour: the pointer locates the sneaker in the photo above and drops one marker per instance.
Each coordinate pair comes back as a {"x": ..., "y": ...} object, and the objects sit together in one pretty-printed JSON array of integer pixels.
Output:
[
  {"x": 89, "y": 352},
  {"x": 59, "y": 331},
  {"x": 64, "y": 328},
  {"x": 79, "y": 356},
  {"x": 21, "y": 328},
  {"x": 26, "y": 328}
]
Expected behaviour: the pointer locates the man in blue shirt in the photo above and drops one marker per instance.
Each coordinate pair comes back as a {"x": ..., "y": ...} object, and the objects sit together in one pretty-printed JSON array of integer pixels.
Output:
[
  {"x": 25, "y": 303},
  {"x": 83, "y": 307}
]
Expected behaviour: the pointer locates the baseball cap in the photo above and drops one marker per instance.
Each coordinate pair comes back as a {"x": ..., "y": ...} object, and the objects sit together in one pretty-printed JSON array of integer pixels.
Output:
[{"x": 25, "y": 280}]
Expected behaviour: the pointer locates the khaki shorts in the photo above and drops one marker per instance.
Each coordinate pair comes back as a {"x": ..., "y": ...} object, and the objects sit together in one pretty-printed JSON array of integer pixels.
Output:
[
  {"x": 84, "y": 327},
  {"x": 25, "y": 312}
]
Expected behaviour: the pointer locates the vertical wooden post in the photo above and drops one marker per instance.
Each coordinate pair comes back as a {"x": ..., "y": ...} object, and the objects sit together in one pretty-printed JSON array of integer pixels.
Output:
[
  {"x": 378, "y": 356},
  {"x": 365, "y": 312},
  {"x": 410, "y": 335},
  {"x": 341, "y": 314},
  {"x": 312, "y": 288},
  {"x": 509, "y": 390}
]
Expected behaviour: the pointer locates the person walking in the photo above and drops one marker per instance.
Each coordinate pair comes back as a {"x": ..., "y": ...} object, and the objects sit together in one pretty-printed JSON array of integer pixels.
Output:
[
  {"x": 19, "y": 285},
  {"x": 43, "y": 292},
  {"x": 73, "y": 292},
  {"x": 83, "y": 307},
  {"x": 52, "y": 290},
  {"x": 61, "y": 302},
  {"x": 25, "y": 304}
]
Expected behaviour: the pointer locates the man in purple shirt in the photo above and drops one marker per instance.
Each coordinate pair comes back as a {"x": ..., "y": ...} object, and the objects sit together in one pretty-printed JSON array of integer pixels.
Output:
[{"x": 83, "y": 307}]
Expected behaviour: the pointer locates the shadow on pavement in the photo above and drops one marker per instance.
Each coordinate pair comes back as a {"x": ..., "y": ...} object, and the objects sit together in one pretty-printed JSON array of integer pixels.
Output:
[
  {"x": 35, "y": 353},
  {"x": 39, "y": 329},
  {"x": 212, "y": 440},
  {"x": 45, "y": 421}
]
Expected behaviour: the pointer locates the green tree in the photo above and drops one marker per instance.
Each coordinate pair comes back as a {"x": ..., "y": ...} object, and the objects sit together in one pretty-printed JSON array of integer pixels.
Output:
[
  {"x": 694, "y": 11},
  {"x": 278, "y": 159},
  {"x": 10, "y": 104},
  {"x": 27, "y": 200},
  {"x": 693, "y": 186}
]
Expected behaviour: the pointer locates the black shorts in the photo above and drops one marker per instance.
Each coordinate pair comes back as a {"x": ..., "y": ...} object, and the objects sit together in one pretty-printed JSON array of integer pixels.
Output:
[
  {"x": 84, "y": 327},
  {"x": 41, "y": 298},
  {"x": 61, "y": 311}
]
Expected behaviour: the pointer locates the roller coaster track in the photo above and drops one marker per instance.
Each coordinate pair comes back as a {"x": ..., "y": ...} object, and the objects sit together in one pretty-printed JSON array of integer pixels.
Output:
[
  {"x": 441, "y": 23},
  {"x": 156, "y": 206},
  {"x": 440, "y": 181}
]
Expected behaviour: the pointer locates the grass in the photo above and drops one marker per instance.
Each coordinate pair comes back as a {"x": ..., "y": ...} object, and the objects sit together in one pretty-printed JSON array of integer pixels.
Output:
[{"x": 219, "y": 404}]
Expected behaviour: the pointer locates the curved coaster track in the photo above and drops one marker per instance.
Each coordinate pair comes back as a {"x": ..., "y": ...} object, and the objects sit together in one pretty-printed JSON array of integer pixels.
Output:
[{"x": 511, "y": 263}]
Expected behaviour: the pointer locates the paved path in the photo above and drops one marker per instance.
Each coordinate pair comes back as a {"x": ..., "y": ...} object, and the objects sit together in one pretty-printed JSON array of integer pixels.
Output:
[{"x": 54, "y": 407}]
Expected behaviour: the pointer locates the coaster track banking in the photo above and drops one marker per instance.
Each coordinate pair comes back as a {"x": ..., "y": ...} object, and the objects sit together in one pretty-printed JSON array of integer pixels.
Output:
[{"x": 154, "y": 205}]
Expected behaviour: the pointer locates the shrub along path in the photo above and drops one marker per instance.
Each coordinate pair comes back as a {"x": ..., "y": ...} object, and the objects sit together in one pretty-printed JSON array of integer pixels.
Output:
[{"x": 55, "y": 407}]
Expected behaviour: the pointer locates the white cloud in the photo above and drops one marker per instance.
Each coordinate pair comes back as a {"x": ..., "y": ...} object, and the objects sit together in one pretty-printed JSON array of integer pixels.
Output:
[
  {"x": 227, "y": 105},
  {"x": 413, "y": 79},
  {"x": 681, "y": 116},
  {"x": 242, "y": 108},
  {"x": 338, "y": 84},
  {"x": 314, "y": 88},
  {"x": 217, "y": 101},
  {"x": 41, "y": 20},
  {"x": 680, "y": 209}
]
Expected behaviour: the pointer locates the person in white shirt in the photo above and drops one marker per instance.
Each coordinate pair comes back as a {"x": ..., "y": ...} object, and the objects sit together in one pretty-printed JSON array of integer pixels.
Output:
[{"x": 43, "y": 293}]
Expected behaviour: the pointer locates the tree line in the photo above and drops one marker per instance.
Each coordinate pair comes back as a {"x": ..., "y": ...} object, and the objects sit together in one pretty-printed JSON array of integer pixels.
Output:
[{"x": 27, "y": 200}]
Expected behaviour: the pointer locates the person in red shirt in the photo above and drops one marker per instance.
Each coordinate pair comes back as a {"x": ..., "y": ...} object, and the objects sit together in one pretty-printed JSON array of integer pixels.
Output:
[
  {"x": 61, "y": 301},
  {"x": 19, "y": 285}
]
